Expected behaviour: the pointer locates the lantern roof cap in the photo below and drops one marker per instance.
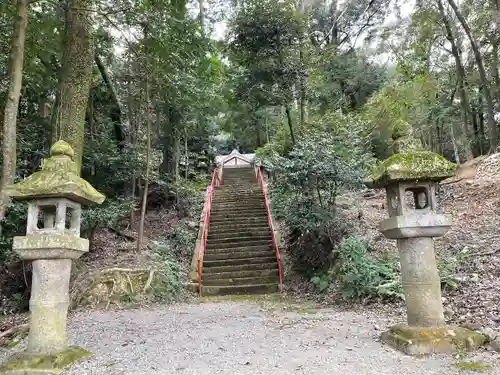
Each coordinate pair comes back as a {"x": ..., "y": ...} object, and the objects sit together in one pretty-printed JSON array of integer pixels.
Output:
[{"x": 58, "y": 178}]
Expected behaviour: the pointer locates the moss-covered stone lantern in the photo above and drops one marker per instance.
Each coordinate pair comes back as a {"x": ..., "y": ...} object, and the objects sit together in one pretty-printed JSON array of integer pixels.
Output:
[
  {"x": 54, "y": 195},
  {"x": 409, "y": 179}
]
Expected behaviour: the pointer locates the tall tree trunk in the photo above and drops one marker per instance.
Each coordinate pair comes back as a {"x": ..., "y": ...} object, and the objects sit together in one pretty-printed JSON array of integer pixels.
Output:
[
  {"x": 286, "y": 96},
  {"x": 186, "y": 154},
  {"x": 480, "y": 117},
  {"x": 302, "y": 72},
  {"x": 289, "y": 120},
  {"x": 201, "y": 15},
  {"x": 492, "y": 126},
  {"x": 495, "y": 41},
  {"x": 479, "y": 142},
  {"x": 15, "y": 77},
  {"x": 464, "y": 96},
  {"x": 92, "y": 126},
  {"x": 115, "y": 112},
  {"x": 76, "y": 77},
  {"x": 177, "y": 161},
  {"x": 131, "y": 108},
  {"x": 140, "y": 234}
]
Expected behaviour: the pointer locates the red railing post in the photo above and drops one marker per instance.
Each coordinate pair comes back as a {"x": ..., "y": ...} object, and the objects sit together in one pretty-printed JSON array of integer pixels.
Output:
[{"x": 271, "y": 227}]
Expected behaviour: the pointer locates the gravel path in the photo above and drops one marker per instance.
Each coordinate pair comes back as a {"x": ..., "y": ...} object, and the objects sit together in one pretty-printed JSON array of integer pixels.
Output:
[{"x": 243, "y": 338}]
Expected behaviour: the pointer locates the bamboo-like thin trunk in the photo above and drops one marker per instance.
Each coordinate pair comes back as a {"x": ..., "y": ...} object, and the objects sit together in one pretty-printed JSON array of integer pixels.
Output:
[
  {"x": 464, "y": 96},
  {"x": 492, "y": 126},
  {"x": 140, "y": 235}
]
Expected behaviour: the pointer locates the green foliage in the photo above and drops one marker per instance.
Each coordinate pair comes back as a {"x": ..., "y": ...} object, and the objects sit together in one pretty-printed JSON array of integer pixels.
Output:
[
  {"x": 322, "y": 281},
  {"x": 365, "y": 276},
  {"x": 180, "y": 240},
  {"x": 189, "y": 195},
  {"x": 109, "y": 214},
  {"x": 307, "y": 182},
  {"x": 106, "y": 167},
  {"x": 449, "y": 267},
  {"x": 169, "y": 278},
  {"x": 13, "y": 225}
]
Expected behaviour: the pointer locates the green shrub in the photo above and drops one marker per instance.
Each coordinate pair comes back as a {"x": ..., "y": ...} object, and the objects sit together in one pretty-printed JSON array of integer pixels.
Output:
[
  {"x": 169, "y": 277},
  {"x": 322, "y": 165},
  {"x": 322, "y": 281},
  {"x": 365, "y": 276},
  {"x": 14, "y": 224},
  {"x": 180, "y": 240},
  {"x": 109, "y": 214},
  {"x": 189, "y": 194}
]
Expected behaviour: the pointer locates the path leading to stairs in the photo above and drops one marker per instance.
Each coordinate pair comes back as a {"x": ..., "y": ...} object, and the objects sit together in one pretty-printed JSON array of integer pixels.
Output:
[{"x": 243, "y": 338}]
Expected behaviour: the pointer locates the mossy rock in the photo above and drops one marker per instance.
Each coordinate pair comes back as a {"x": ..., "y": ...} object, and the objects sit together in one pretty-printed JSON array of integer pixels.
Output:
[
  {"x": 420, "y": 340},
  {"x": 411, "y": 166},
  {"x": 21, "y": 363}
]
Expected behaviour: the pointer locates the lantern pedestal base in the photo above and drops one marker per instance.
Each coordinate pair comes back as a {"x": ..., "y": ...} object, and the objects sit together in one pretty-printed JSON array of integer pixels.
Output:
[
  {"x": 28, "y": 364},
  {"x": 420, "y": 340}
]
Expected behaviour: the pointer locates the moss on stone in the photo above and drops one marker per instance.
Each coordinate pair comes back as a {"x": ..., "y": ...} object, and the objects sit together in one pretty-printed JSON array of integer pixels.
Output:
[
  {"x": 411, "y": 166},
  {"x": 473, "y": 366},
  {"x": 419, "y": 340},
  {"x": 59, "y": 178},
  {"x": 56, "y": 363}
]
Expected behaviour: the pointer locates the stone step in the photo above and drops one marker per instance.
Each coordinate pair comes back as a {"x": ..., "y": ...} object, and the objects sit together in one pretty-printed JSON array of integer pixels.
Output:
[
  {"x": 242, "y": 206},
  {"x": 212, "y": 240},
  {"x": 213, "y": 235},
  {"x": 258, "y": 252},
  {"x": 240, "y": 202},
  {"x": 242, "y": 267},
  {"x": 239, "y": 289},
  {"x": 234, "y": 228},
  {"x": 240, "y": 213},
  {"x": 235, "y": 244},
  {"x": 237, "y": 215},
  {"x": 245, "y": 176},
  {"x": 237, "y": 196},
  {"x": 238, "y": 189},
  {"x": 240, "y": 182},
  {"x": 239, "y": 274},
  {"x": 243, "y": 281},
  {"x": 239, "y": 262},
  {"x": 241, "y": 222},
  {"x": 238, "y": 172},
  {"x": 217, "y": 210}
]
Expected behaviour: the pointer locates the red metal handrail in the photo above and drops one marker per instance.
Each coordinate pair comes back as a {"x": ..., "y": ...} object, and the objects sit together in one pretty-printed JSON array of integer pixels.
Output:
[
  {"x": 260, "y": 178},
  {"x": 207, "y": 209}
]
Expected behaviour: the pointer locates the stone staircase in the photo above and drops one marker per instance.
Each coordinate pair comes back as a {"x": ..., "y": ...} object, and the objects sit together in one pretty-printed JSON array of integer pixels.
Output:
[{"x": 239, "y": 257}]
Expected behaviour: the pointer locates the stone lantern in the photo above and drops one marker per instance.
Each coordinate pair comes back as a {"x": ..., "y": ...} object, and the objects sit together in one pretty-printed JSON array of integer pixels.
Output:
[
  {"x": 55, "y": 195},
  {"x": 409, "y": 179}
]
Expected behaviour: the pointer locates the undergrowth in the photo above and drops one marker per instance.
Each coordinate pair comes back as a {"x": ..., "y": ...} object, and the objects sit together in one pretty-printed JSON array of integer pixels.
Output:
[
  {"x": 171, "y": 255},
  {"x": 364, "y": 275},
  {"x": 168, "y": 285}
]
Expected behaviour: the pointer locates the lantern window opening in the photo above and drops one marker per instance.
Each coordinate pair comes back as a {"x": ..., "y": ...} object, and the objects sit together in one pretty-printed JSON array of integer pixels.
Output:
[{"x": 417, "y": 198}]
